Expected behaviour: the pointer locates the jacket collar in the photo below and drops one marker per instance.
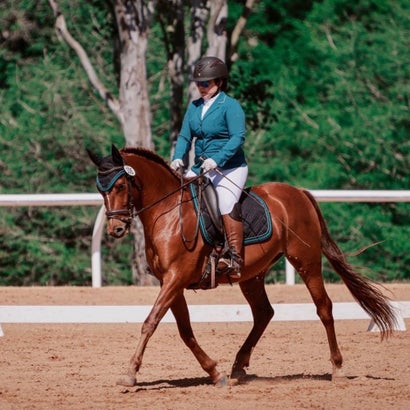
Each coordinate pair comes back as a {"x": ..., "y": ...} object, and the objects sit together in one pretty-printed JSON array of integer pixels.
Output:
[{"x": 220, "y": 99}]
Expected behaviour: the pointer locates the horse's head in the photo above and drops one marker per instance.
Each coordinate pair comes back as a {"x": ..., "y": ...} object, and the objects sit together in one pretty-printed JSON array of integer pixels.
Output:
[{"x": 115, "y": 181}]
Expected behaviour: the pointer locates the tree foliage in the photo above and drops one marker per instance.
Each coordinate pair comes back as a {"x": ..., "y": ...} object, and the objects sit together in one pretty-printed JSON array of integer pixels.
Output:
[{"x": 325, "y": 88}]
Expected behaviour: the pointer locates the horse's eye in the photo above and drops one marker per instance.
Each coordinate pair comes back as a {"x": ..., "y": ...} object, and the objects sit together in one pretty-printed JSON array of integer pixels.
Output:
[{"x": 120, "y": 187}]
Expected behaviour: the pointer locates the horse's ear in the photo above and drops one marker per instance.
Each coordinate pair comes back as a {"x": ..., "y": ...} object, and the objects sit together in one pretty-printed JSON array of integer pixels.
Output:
[
  {"x": 94, "y": 158},
  {"x": 116, "y": 156}
]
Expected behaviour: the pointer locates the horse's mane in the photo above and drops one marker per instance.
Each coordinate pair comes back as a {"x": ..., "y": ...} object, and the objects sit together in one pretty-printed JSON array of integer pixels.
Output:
[{"x": 151, "y": 155}]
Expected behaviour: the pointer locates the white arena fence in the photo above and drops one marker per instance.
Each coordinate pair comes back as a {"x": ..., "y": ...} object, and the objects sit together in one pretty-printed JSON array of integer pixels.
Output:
[
  {"x": 198, "y": 313},
  {"x": 83, "y": 199}
]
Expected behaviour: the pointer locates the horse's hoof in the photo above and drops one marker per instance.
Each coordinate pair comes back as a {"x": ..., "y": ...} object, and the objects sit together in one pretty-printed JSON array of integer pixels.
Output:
[
  {"x": 338, "y": 374},
  {"x": 221, "y": 381},
  {"x": 237, "y": 377},
  {"x": 127, "y": 381}
]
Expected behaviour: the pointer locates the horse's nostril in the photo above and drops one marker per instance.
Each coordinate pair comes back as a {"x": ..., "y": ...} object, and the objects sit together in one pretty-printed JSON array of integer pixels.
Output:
[{"x": 119, "y": 230}]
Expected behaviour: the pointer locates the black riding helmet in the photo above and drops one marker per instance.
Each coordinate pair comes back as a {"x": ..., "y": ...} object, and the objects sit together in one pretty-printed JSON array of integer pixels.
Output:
[{"x": 210, "y": 68}]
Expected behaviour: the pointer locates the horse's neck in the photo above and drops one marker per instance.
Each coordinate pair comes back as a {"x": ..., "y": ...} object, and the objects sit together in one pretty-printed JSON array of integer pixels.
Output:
[{"x": 157, "y": 181}]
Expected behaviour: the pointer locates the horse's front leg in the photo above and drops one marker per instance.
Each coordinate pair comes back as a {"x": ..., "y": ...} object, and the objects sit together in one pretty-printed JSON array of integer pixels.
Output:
[
  {"x": 165, "y": 298},
  {"x": 180, "y": 310}
]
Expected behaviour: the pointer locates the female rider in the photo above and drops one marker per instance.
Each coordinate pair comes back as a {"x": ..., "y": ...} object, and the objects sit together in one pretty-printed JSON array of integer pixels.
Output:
[{"x": 217, "y": 122}]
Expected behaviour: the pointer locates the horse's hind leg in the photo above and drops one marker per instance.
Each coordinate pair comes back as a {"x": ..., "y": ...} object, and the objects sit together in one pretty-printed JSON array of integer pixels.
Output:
[
  {"x": 262, "y": 311},
  {"x": 180, "y": 310},
  {"x": 314, "y": 282}
]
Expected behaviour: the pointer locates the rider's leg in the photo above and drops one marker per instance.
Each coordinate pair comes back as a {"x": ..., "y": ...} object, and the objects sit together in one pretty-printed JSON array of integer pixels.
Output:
[
  {"x": 229, "y": 185},
  {"x": 234, "y": 234}
]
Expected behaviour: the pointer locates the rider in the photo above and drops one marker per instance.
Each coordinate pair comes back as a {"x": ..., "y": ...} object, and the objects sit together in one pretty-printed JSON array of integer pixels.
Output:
[{"x": 218, "y": 123}]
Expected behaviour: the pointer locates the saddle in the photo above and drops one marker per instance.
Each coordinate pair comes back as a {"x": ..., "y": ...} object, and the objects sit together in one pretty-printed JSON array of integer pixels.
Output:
[{"x": 257, "y": 226}]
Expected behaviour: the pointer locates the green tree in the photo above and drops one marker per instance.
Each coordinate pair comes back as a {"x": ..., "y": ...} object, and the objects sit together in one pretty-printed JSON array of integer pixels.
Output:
[{"x": 325, "y": 89}]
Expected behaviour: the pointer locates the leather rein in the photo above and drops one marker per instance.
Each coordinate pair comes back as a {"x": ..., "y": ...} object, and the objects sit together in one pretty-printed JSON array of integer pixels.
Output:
[{"x": 127, "y": 214}]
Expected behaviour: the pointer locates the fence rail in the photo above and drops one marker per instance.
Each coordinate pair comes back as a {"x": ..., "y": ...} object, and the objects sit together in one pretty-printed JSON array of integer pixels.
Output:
[{"x": 84, "y": 199}]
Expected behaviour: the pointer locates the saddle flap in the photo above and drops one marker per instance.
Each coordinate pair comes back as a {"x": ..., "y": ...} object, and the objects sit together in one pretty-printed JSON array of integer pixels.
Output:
[{"x": 212, "y": 204}]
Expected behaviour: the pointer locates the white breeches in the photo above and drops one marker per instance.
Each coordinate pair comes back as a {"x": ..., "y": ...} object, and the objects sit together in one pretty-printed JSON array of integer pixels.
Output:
[{"x": 229, "y": 184}]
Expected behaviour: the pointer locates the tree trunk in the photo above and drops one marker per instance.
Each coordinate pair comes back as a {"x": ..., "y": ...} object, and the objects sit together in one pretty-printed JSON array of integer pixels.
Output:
[
  {"x": 199, "y": 17},
  {"x": 133, "y": 22},
  {"x": 240, "y": 25},
  {"x": 216, "y": 33},
  {"x": 171, "y": 19}
]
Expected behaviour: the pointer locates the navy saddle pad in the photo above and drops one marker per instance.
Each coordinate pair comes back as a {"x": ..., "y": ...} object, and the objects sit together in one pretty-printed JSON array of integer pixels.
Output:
[{"x": 257, "y": 223}]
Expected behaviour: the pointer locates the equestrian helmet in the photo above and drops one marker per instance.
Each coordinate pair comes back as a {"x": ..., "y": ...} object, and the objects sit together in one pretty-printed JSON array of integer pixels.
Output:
[{"x": 210, "y": 68}]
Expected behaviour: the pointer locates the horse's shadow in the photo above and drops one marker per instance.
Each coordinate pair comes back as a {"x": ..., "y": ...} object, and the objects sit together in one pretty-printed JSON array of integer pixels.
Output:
[{"x": 250, "y": 378}]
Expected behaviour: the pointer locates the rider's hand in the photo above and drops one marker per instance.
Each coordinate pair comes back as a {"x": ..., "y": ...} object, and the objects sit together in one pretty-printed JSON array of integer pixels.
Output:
[
  {"x": 176, "y": 164},
  {"x": 208, "y": 165}
]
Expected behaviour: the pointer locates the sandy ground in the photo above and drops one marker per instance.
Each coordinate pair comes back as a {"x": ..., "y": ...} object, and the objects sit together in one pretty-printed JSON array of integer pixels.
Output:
[{"x": 73, "y": 366}]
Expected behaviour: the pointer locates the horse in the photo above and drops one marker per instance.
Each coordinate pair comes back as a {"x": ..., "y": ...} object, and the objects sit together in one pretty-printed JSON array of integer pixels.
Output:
[{"x": 136, "y": 182}]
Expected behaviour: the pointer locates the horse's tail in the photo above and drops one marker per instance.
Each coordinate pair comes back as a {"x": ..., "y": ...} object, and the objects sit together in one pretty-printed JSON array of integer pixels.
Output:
[{"x": 364, "y": 290}]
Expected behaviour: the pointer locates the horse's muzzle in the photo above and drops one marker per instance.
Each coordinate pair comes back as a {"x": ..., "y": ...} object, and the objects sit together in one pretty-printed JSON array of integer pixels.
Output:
[{"x": 117, "y": 228}]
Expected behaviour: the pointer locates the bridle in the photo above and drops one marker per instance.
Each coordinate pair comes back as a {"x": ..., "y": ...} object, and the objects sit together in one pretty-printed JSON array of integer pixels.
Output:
[{"x": 126, "y": 215}]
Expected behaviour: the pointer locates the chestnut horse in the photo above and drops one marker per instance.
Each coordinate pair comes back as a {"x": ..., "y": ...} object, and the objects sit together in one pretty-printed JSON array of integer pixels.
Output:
[{"x": 137, "y": 182}]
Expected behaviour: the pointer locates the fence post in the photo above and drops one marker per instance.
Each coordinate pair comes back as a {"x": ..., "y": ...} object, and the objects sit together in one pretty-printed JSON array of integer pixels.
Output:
[
  {"x": 290, "y": 273},
  {"x": 96, "y": 275}
]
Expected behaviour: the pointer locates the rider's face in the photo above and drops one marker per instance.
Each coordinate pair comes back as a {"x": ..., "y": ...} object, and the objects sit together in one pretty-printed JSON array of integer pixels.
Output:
[{"x": 207, "y": 88}]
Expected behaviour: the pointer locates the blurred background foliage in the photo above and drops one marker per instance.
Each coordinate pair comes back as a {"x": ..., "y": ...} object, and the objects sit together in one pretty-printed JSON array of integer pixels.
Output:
[{"x": 325, "y": 87}]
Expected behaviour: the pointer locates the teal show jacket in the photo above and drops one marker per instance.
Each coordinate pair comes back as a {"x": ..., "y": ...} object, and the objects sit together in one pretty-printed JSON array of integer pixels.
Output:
[{"x": 220, "y": 134}]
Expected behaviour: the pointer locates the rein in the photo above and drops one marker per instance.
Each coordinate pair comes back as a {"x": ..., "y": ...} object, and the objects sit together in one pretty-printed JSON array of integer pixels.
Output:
[
  {"x": 130, "y": 212},
  {"x": 180, "y": 188}
]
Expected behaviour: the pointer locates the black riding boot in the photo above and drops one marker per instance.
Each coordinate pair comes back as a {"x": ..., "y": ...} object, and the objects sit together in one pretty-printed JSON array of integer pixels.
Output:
[{"x": 234, "y": 234}]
